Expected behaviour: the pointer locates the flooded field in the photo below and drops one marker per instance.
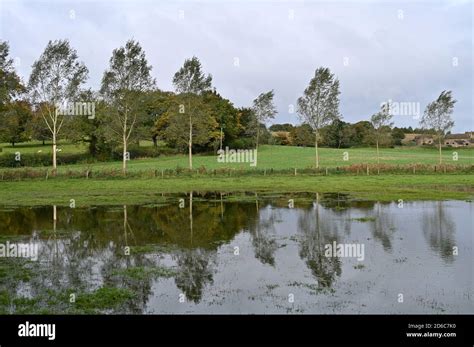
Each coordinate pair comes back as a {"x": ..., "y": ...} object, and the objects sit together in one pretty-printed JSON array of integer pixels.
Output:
[{"x": 214, "y": 253}]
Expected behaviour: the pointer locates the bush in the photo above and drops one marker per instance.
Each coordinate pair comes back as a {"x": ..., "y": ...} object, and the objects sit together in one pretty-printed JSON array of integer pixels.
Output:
[
  {"x": 242, "y": 143},
  {"x": 143, "y": 152},
  {"x": 42, "y": 159}
]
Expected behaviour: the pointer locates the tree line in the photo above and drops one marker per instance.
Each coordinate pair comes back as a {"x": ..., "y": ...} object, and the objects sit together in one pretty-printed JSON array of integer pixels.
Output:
[{"x": 193, "y": 118}]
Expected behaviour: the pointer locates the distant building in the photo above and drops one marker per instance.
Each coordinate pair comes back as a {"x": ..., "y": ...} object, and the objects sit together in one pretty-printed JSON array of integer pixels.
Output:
[
  {"x": 424, "y": 139},
  {"x": 460, "y": 140},
  {"x": 451, "y": 140}
]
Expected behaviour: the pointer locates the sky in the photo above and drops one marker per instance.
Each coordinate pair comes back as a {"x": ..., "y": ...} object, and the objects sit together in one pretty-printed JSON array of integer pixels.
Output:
[{"x": 404, "y": 51}]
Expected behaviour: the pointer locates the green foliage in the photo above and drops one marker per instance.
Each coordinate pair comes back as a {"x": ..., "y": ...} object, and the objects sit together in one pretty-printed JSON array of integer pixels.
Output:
[
  {"x": 437, "y": 115},
  {"x": 42, "y": 159},
  {"x": 14, "y": 122},
  {"x": 190, "y": 79},
  {"x": 319, "y": 105},
  {"x": 281, "y": 127},
  {"x": 302, "y": 135},
  {"x": 10, "y": 84}
]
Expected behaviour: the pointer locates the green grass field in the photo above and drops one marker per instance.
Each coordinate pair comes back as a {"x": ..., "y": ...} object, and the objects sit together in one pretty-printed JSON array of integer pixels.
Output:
[
  {"x": 276, "y": 157},
  {"x": 130, "y": 190},
  {"x": 118, "y": 191}
]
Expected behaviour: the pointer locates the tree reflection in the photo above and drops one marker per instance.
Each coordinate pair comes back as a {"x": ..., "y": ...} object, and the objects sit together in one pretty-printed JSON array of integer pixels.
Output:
[
  {"x": 439, "y": 230},
  {"x": 382, "y": 227},
  {"x": 195, "y": 266},
  {"x": 316, "y": 230},
  {"x": 263, "y": 238}
]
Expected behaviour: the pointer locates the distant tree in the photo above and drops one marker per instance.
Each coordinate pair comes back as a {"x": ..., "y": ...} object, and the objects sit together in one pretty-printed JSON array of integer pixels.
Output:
[
  {"x": 337, "y": 134},
  {"x": 302, "y": 135},
  {"x": 226, "y": 115},
  {"x": 398, "y": 135},
  {"x": 319, "y": 105},
  {"x": 56, "y": 79},
  {"x": 14, "y": 114},
  {"x": 190, "y": 81},
  {"x": 171, "y": 128},
  {"x": 123, "y": 87},
  {"x": 437, "y": 116},
  {"x": 361, "y": 133},
  {"x": 264, "y": 110},
  {"x": 281, "y": 127},
  {"x": 14, "y": 122},
  {"x": 380, "y": 121}
]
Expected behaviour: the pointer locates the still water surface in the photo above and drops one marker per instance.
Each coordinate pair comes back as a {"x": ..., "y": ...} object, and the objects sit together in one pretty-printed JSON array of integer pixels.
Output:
[{"x": 204, "y": 254}]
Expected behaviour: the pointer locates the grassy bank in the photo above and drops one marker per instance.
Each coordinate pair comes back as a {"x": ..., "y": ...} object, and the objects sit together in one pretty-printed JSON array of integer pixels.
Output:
[
  {"x": 278, "y": 158},
  {"x": 133, "y": 191}
]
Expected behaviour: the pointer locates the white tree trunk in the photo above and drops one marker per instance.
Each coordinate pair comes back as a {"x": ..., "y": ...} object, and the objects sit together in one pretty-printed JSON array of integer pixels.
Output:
[
  {"x": 190, "y": 144},
  {"x": 316, "y": 149},
  {"x": 124, "y": 162}
]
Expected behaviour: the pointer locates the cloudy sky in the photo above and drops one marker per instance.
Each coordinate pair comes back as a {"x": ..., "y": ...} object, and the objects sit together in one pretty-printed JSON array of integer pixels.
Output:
[{"x": 404, "y": 51}]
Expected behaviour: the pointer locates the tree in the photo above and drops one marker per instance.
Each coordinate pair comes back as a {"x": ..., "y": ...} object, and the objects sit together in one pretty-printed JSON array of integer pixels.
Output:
[
  {"x": 14, "y": 114},
  {"x": 10, "y": 83},
  {"x": 14, "y": 122},
  {"x": 302, "y": 135},
  {"x": 55, "y": 80},
  {"x": 190, "y": 81},
  {"x": 319, "y": 105},
  {"x": 263, "y": 109},
  {"x": 123, "y": 87},
  {"x": 171, "y": 128},
  {"x": 437, "y": 116},
  {"x": 380, "y": 121},
  {"x": 398, "y": 134},
  {"x": 281, "y": 127},
  {"x": 337, "y": 134}
]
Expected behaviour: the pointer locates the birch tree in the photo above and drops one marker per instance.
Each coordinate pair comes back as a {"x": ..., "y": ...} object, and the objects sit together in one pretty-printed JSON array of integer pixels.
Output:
[
  {"x": 437, "y": 116},
  {"x": 123, "y": 87},
  {"x": 56, "y": 79},
  {"x": 264, "y": 110},
  {"x": 380, "y": 121},
  {"x": 190, "y": 81},
  {"x": 319, "y": 105}
]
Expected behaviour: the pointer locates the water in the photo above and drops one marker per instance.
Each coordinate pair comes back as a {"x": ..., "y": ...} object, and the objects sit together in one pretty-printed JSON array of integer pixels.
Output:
[{"x": 204, "y": 254}]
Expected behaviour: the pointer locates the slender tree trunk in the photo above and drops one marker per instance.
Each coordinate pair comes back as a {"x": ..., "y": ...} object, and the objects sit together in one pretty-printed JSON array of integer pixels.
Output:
[
  {"x": 190, "y": 145},
  {"x": 440, "y": 156},
  {"x": 258, "y": 134},
  {"x": 54, "y": 150},
  {"x": 222, "y": 135},
  {"x": 124, "y": 159},
  {"x": 316, "y": 149},
  {"x": 378, "y": 156}
]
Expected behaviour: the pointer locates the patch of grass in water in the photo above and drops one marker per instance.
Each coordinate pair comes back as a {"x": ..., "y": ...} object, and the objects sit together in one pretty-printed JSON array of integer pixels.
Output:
[
  {"x": 151, "y": 248},
  {"x": 15, "y": 269},
  {"x": 142, "y": 273},
  {"x": 103, "y": 298},
  {"x": 364, "y": 219}
]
